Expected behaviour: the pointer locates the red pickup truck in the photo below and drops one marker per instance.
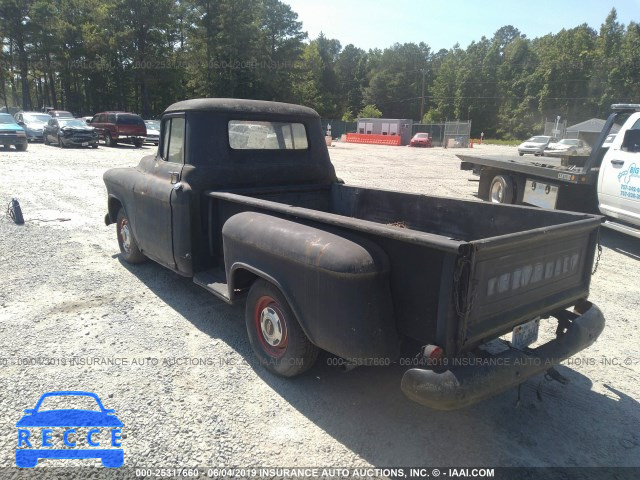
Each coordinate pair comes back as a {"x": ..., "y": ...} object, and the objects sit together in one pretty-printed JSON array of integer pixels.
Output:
[{"x": 114, "y": 127}]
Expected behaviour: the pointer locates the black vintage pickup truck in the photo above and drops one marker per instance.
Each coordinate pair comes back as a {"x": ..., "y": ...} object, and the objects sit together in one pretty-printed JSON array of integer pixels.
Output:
[{"x": 242, "y": 197}]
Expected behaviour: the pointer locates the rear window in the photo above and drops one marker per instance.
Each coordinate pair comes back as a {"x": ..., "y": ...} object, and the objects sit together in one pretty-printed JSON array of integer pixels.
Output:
[
  {"x": 257, "y": 135},
  {"x": 130, "y": 120}
]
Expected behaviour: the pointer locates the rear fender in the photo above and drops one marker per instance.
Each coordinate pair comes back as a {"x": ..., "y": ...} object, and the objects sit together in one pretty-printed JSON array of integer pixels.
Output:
[{"x": 337, "y": 287}]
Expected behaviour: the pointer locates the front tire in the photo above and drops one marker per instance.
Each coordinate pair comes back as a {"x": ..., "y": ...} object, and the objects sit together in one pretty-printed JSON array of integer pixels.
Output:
[
  {"x": 22, "y": 147},
  {"x": 128, "y": 245},
  {"x": 502, "y": 189},
  {"x": 275, "y": 334}
]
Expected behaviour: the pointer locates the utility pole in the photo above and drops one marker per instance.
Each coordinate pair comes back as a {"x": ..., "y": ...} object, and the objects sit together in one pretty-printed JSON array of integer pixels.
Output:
[{"x": 424, "y": 73}]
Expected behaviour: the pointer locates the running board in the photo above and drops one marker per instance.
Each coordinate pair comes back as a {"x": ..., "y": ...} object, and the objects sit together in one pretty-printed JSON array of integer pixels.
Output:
[
  {"x": 622, "y": 228},
  {"x": 214, "y": 281}
]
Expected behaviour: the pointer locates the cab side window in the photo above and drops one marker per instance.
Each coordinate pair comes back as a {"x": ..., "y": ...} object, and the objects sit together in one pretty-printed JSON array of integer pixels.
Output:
[
  {"x": 172, "y": 147},
  {"x": 631, "y": 142}
]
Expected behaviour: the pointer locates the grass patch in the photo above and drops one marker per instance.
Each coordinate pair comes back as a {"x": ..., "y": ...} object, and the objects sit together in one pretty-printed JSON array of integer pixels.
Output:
[{"x": 509, "y": 143}]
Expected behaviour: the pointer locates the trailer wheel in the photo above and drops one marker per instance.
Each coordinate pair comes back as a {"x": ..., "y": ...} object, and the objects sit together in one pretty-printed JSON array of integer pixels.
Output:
[
  {"x": 128, "y": 245},
  {"x": 275, "y": 334},
  {"x": 502, "y": 189}
]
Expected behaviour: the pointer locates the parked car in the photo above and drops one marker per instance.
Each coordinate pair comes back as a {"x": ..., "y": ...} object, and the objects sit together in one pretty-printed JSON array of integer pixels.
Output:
[
  {"x": 60, "y": 114},
  {"x": 567, "y": 146},
  {"x": 609, "y": 140},
  {"x": 33, "y": 123},
  {"x": 67, "y": 132},
  {"x": 535, "y": 145},
  {"x": 11, "y": 133},
  {"x": 153, "y": 131},
  {"x": 421, "y": 140},
  {"x": 114, "y": 127}
]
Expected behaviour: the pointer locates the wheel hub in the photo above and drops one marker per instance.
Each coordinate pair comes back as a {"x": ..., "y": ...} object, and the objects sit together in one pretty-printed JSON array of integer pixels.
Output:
[
  {"x": 497, "y": 193},
  {"x": 271, "y": 326},
  {"x": 125, "y": 235}
]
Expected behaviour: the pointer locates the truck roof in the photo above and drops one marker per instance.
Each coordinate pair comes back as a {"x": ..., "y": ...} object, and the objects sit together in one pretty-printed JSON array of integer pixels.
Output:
[{"x": 235, "y": 105}]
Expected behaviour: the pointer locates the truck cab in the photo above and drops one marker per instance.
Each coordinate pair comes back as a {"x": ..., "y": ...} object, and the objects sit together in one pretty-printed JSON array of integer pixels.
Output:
[{"x": 619, "y": 179}]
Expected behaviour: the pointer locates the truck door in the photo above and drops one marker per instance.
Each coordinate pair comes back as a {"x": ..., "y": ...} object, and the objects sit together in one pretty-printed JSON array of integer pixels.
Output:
[
  {"x": 619, "y": 182},
  {"x": 158, "y": 193}
]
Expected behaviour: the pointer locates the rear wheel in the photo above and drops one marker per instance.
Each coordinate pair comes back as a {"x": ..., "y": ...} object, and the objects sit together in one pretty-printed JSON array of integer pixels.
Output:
[
  {"x": 502, "y": 189},
  {"x": 22, "y": 147},
  {"x": 275, "y": 334},
  {"x": 138, "y": 143},
  {"x": 128, "y": 245}
]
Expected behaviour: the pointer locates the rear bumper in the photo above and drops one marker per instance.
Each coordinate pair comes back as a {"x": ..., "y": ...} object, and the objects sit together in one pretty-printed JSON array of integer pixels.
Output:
[
  {"x": 464, "y": 385},
  {"x": 13, "y": 139}
]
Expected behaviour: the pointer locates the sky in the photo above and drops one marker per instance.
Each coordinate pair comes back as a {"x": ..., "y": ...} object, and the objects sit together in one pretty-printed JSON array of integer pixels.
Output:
[{"x": 442, "y": 24}]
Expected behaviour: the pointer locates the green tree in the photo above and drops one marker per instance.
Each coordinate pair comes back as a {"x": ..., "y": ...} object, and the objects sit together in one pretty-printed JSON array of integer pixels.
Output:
[{"x": 370, "y": 111}]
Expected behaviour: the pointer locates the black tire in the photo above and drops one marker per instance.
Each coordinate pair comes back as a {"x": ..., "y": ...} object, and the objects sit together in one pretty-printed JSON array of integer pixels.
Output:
[
  {"x": 138, "y": 143},
  {"x": 128, "y": 246},
  {"x": 520, "y": 153},
  {"x": 108, "y": 141},
  {"x": 275, "y": 334},
  {"x": 22, "y": 147},
  {"x": 502, "y": 189}
]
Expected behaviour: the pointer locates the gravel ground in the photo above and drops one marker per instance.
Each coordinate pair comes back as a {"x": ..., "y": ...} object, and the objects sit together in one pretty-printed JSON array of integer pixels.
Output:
[{"x": 69, "y": 306}]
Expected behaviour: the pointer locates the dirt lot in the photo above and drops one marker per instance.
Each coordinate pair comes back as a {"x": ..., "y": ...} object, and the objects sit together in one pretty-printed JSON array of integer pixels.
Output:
[{"x": 65, "y": 294}]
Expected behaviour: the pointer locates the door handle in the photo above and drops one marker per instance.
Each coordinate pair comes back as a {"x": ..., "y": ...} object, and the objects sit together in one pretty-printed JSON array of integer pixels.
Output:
[
  {"x": 175, "y": 177},
  {"x": 617, "y": 163}
]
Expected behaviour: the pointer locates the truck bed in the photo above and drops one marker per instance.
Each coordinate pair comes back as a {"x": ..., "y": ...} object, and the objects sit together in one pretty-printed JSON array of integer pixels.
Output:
[
  {"x": 476, "y": 269},
  {"x": 543, "y": 167}
]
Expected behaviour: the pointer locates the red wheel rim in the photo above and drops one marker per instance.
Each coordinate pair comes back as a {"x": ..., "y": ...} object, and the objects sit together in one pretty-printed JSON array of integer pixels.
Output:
[{"x": 271, "y": 327}]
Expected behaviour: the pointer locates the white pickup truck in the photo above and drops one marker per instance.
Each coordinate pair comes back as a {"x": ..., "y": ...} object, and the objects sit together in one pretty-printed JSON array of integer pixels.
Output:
[
  {"x": 607, "y": 181},
  {"x": 619, "y": 180}
]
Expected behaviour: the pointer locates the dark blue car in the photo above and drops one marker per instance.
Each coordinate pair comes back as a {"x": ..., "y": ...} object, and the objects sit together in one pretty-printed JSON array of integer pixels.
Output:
[{"x": 68, "y": 418}]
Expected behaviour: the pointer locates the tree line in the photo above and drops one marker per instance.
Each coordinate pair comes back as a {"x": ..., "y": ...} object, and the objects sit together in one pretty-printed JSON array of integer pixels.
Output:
[{"x": 142, "y": 55}]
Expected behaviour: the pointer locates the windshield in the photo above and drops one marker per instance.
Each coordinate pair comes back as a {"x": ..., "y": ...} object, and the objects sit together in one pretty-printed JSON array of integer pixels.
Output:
[
  {"x": 422, "y": 135},
  {"x": 538, "y": 139},
  {"x": 568, "y": 141},
  {"x": 68, "y": 402},
  {"x": 153, "y": 124},
  {"x": 6, "y": 118},
  {"x": 36, "y": 117},
  {"x": 72, "y": 122}
]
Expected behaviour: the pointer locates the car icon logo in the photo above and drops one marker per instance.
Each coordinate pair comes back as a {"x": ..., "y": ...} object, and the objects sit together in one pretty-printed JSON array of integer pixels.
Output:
[{"x": 79, "y": 427}]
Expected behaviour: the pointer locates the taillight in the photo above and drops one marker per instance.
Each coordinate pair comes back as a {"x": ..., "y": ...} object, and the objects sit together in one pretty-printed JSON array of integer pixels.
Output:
[{"x": 432, "y": 352}]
